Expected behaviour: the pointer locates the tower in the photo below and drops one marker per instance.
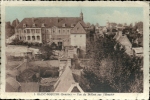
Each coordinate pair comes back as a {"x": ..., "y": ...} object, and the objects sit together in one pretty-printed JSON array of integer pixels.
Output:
[{"x": 81, "y": 15}]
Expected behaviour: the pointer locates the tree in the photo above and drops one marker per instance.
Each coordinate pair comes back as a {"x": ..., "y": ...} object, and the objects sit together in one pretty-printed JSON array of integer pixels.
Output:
[
  {"x": 112, "y": 68},
  {"x": 15, "y": 23},
  {"x": 9, "y": 30},
  {"x": 46, "y": 51},
  {"x": 131, "y": 25}
]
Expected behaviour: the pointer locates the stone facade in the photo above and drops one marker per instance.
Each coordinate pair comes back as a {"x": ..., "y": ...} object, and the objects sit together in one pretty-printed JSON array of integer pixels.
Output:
[{"x": 53, "y": 29}]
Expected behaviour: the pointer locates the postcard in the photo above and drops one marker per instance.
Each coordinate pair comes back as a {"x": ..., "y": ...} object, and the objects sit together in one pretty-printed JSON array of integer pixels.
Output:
[{"x": 67, "y": 50}]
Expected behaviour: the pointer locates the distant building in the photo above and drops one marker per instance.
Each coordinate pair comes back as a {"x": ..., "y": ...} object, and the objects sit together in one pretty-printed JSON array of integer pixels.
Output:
[
  {"x": 66, "y": 82},
  {"x": 64, "y": 31},
  {"x": 138, "y": 51},
  {"x": 124, "y": 42}
]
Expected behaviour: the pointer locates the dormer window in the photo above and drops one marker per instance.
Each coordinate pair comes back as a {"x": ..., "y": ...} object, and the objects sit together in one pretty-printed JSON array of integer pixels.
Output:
[
  {"x": 43, "y": 25},
  {"x": 33, "y": 25},
  {"x": 24, "y": 25},
  {"x": 72, "y": 25},
  {"x": 64, "y": 25}
]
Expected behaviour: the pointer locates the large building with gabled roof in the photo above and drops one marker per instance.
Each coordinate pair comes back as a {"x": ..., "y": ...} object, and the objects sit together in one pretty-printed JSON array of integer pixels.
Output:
[{"x": 64, "y": 31}]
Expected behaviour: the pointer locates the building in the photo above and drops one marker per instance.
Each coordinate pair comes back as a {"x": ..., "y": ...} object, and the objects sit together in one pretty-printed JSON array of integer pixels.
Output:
[
  {"x": 66, "y": 82},
  {"x": 63, "y": 31},
  {"x": 124, "y": 42},
  {"x": 138, "y": 51},
  {"x": 12, "y": 85}
]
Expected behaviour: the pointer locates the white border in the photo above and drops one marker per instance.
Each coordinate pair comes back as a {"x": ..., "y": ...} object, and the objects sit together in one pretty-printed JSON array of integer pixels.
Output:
[{"x": 145, "y": 6}]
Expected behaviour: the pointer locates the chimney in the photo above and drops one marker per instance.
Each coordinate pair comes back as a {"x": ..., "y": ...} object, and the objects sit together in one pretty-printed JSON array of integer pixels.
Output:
[
  {"x": 32, "y": 19},
  {"x": 17, "y": 22}
]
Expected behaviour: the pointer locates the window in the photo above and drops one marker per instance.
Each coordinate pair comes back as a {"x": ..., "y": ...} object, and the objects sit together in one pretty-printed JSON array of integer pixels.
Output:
[
  {"x": 72, "y": 25},
  {"x": 59, "y": 31},
  {"x": 38, "y": 37},
  {"x": 53, "y": 30},
  {"x": 33, "y": 31},
  {"x": 64, "y": 25},
  {"x": 74, "y": 35},
  {"x": 33, "y": 37},
  {"x": 77, "y": 28},
  {"x": 33, "y": 25},
  {"x": 24, "y": 38},
  {"x": 28, "y": 37},
  {"x": 20, "y": 38},
  {"x": 24, "y": 25},
  {"x": 68, "y": 31},
  {"x": 28, "y": 31},
  {"x": 80, "y": 35},
  {"x": 24, "y": 31},
  {"x": 43, "y": 25},
  {"x": 46, "y": 31},
  {"x": 38, "y": 31}
]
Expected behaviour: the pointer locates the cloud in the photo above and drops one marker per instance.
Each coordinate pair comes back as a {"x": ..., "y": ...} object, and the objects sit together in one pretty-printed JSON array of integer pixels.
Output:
[{"x": 119, "y": 17}]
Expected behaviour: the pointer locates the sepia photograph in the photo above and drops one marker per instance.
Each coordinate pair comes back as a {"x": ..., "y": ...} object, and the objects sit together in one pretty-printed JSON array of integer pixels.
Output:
[{"x": 74, "y": 49}]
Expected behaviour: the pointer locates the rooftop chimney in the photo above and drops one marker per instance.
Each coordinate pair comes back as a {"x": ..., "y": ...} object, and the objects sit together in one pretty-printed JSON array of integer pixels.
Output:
[{"x": 32, "y": 19}]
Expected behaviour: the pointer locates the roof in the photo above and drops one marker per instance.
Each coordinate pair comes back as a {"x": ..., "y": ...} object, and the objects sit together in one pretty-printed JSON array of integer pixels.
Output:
[
  {"x": 118, "y": 35},
  {"x": 138, "y": 50},
  {"x": 48, "y": 81},
  {"x": 78, "y": 29},
  {"x": 65, "y": 81},
  {"x": 12, "y": 85},
  {"x": 124, "y": 41},
  {"x": 50, "y": 22},
  {"x": 29, "y": 87},
  {"x": 12, "y": 73}
]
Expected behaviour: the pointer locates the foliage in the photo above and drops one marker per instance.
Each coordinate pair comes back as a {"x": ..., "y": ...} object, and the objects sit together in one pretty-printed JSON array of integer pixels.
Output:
[
  {"x": 112, "y": 67},
  {"x": 9, "y": 30},
  {"x": 47, "y": 51}
]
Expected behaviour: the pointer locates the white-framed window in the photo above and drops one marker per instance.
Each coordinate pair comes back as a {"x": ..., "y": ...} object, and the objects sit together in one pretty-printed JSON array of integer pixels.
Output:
[
  {"x": 28, "y": 30},
  {"x": 28, "y": 37},
  {"x": 33, "y": 31},
  {"x": 37, "y": 30},
  {"x": 64, "y": 25},
  {"x": 38, "y": 38},
  {"x": 24, "y": 25},
  {"x": 24, "y": 31},
  {"x": 33, "y": 38},
  {"x": 43, "y": 25},
  {"x": 33, "y": 25},
  {"x": 72, "y": 25}
]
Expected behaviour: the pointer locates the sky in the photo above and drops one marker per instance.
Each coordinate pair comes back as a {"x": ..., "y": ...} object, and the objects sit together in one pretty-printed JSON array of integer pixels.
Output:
[{"x": 92, "y": 15}]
